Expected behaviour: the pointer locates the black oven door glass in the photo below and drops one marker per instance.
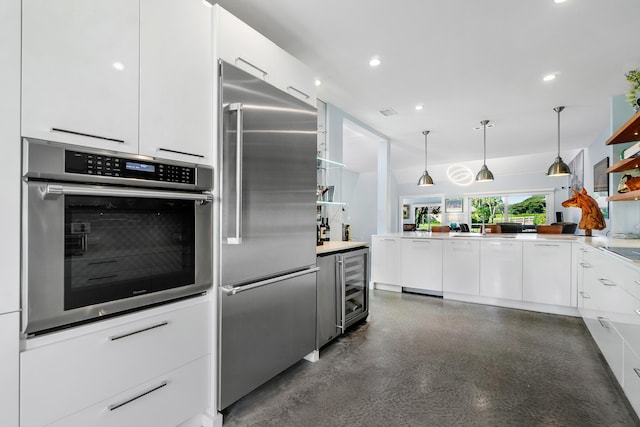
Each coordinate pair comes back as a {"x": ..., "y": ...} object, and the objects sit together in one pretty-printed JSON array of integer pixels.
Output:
[{"x": 120, "y": 247}]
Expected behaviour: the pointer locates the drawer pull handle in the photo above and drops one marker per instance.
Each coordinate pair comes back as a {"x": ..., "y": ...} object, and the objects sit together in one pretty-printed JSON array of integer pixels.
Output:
[
  {"x": 291, "y": 88},
  {"x": 546, "y": 244},
  {"x": 637, "y": 371},
  {"x": 602, "y": 322},
  {"x": 584, "y": 295},
  {"x": 128, "y": 334},
  {"x": 606, "y": 282},
  {"x": 180, "y": 152},
  {"x": 388, "y": 240},
  {"x": 72, "y": 132},
  {"x": 637, "y": 312},
  {"x": 264, "y": 73},
  {"x": 421, "y": 241},
  {"x": 115, "y": 406},
  {"x": 637, "y": 282},
  {"x": 585, "y": 265}
]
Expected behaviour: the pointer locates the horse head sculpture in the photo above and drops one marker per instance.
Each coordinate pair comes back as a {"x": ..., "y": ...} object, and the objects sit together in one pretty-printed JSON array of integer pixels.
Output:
[{"x": 592, "y": 218}]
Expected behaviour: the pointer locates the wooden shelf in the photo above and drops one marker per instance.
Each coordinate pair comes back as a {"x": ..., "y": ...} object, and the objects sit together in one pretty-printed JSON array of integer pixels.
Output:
[
  {"x": 631, "y": 195},
  {"x": 628, "y": 132},
  {"x": 625, "y": 165}
]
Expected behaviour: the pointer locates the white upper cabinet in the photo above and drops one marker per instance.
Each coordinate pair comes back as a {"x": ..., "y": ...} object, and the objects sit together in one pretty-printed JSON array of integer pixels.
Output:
[
  {"x": 176, "y": 80},
  {"x": 80, "y": 72},
  {"x": 123, "y": 75},
  {"x": 247, "y": 49}
]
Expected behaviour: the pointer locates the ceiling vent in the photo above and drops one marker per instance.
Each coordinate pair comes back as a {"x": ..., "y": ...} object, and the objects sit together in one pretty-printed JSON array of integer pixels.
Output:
[{"x": 388, "y": 111}]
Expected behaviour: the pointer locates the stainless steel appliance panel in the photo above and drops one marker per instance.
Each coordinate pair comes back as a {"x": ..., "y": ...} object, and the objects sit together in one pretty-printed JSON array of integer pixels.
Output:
[
  {"x": 329, "y": 300},
  {"x": 264, "y": 330},
  {"x": 268, "y": 179}
]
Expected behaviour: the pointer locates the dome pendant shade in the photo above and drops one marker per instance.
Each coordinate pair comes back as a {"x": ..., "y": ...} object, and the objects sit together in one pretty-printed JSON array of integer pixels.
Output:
[
  {"x": 484, "y": 174},
  {"x": 558, "y": 168},
  {"x": 425, "y": 180}
]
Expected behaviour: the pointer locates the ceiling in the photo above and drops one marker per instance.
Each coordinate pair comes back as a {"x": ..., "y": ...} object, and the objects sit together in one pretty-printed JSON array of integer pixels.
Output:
[{"x": 465, "y": 61}]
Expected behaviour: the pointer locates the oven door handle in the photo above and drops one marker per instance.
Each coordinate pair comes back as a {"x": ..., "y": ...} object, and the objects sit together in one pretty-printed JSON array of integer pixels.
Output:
[{"x": 54, "y": 191}]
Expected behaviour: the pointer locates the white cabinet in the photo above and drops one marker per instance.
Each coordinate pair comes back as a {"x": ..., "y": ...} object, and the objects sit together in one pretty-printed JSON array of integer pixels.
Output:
[
  {"x": 176, "y": 80},
  {"x": 80, "y": 72},
  {"x": 244, "y": 47},
  {"x": 501, "y": 269},
  {"x": 123, "y": 75},
  {"x": 609, "y": 342},
  {"x": 10, "y": 160},
  {"x": 461, "y": 267},
  {"x": 631, "y": 377},
  {"x": 66, "y": 373},
  {"x": 386, "y": 255},
  {"x": 547, "y": 273},
  {"x": 165, "y": 401},
  {"x": 422, "y": 264},
  {"x": 9, "y": 392}
]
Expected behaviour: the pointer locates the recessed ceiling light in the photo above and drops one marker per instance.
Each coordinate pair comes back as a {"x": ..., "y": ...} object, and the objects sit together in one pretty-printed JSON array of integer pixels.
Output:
[
  {"x": 419, "y": 107},
  {"x": 318, "y": 82},
  {"x": 118, "y": 66},
  {"x": 549, "y": 77},
  {"x": 559, "y": 1},
  {"x": 374, "y": 62}
]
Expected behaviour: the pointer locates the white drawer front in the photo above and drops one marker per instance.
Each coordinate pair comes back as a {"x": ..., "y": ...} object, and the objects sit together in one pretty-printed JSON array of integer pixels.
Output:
[
  {"x": 63, "y": 377},
  {"x": 165, "y": 401}
]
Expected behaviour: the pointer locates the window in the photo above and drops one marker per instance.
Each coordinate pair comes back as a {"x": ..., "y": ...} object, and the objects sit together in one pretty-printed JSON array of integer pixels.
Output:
[{"x": 527, "y": 209}]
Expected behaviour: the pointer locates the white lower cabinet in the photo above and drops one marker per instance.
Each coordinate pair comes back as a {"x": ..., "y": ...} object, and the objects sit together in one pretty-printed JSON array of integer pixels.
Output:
[
  {"x": 631, "y": 377},
  {"x": 9, "y": 339},
  {"x": 422, "y": 264},
  {"x": 386, "y": 256},
  {"x": 501, "y": 269},
  {"x": 61, "y": 377},
  {"x": 609, "y": 341},
  {"x": 165, "y": 401},
  {"x": 461, "y": 267},
  {"x": 547, "y": 273}
]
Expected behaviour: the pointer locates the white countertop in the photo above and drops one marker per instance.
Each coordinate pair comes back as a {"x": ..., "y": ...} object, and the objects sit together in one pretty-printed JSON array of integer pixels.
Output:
[{"x": 336, "y": 246}]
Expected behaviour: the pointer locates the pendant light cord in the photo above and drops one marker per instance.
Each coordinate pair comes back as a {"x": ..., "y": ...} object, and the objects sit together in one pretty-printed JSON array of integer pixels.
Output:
[
  {"x": 426, "y": 132},
  {"x": 484, "y": 129},
  {"x": 558, "y": 110}
]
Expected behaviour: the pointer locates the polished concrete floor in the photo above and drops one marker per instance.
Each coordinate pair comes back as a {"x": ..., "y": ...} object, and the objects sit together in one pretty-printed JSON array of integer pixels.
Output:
[{"x": 423, "y": 361}]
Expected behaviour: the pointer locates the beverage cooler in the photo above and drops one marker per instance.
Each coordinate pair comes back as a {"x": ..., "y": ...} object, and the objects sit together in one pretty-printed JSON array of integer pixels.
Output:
[{"x": 343, "y": 293}]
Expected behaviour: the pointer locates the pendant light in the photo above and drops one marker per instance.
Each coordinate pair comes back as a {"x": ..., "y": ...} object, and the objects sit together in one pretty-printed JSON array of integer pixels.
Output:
[
  {"x": 425, "y": 180},
  {"x": 484, "y": 174},
  {"x": 558, "y": 168}
]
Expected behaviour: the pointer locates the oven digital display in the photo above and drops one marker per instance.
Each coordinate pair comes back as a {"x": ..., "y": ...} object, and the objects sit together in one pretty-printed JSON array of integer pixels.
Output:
[{"x": 140, "y": 167}]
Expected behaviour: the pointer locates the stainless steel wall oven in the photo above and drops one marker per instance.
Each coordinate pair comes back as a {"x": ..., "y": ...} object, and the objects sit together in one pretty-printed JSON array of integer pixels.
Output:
[{"x": 106, "y": 233}]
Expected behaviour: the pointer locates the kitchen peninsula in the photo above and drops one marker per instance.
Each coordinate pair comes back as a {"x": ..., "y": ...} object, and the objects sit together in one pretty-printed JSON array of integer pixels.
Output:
[{"x": 552, "y": 273}]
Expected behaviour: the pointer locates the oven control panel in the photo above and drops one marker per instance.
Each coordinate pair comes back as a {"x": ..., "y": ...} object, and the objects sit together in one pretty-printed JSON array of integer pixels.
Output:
[{"x": 103, "y": 165}]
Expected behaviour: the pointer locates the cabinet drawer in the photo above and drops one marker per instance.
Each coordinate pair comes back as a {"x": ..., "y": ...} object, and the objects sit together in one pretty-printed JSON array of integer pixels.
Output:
[
  {"x": 609, "y": 342},
  {"x": 65, "y": 376},
  {"x": 166, "y": 400},
  {"x": 631, "y": 374}
]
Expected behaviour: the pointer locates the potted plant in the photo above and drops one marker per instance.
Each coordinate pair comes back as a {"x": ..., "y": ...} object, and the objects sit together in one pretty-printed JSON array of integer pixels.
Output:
[{"x": 633, "y": 96}]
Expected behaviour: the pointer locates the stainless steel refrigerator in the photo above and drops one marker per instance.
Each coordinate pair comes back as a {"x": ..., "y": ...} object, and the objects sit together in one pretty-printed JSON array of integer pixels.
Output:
[{"x": 267, "y": 294}]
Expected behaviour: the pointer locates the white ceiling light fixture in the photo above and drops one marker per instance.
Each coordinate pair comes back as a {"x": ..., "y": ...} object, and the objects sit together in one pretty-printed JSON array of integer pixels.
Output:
[
  {"x": 484, "y": 174},
  {"x": 559, "y": 1},
  {"x": 419, "y": 107},
  {"x": 425, "y": 180},
  {"x": 549, "y": 77},
  {"x": 374, "y": 62},
  {"x": 460, "y": 175},
  {"x": 318, "y": 82},
  {"x": 118, "y": 66},
  {"x": 558, "y": 168}
]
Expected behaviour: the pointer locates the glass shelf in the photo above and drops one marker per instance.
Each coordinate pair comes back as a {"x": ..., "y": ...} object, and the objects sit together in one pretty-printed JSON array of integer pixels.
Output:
[
  {"x": 320, "y": 202},
  {"x": 331, "y": 162}
]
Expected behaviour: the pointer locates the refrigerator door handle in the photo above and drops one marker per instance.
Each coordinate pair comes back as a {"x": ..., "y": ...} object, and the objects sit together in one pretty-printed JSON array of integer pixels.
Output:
[
  {"x": 343, "y": 292},
  {"x": 237, "y": 238},
  {"x": 232, "y": 290}
]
